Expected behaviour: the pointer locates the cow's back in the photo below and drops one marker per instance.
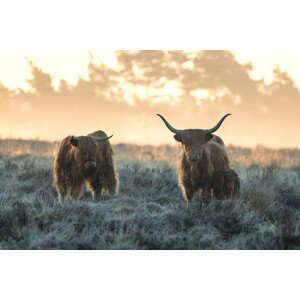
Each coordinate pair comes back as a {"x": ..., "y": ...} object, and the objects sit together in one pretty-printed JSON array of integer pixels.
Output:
[
  {"x": 216, "y": 151},
  {"x": 104, "y": 149}
]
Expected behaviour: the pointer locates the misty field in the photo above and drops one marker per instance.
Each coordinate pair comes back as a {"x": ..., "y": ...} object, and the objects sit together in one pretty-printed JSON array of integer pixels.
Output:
[{"x": 149, "y": 212}]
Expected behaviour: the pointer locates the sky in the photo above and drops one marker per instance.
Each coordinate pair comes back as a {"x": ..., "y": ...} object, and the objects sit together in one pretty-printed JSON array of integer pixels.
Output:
[
  {"x": 69, "y": 64},
  {"x": 264, "y": 61},
  {"x": 58, "y": 35},
  {"x": 66, "y": 64}
]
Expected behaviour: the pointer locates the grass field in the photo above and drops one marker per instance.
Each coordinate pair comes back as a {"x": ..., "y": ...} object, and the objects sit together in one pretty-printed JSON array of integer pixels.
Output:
[{"x": 149, "y": 212}]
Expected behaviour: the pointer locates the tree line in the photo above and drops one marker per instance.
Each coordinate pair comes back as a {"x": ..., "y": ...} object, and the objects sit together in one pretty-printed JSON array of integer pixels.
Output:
[{"x": 189, "y": 87}]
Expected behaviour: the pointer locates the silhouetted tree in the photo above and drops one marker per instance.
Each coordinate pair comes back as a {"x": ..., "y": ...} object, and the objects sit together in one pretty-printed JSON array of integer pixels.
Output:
[
  {"x": 217, "y": 71},
  {"x": 4, "y": 92},
  {"x": 150, "y": 69},
  {"x": 64, "y": 88},
  {"x": 283, "y": 85},
  {"x": 104, "y": 81},
  {"x": 282, "y": 98},
  {"x": 40, "y": 82}
]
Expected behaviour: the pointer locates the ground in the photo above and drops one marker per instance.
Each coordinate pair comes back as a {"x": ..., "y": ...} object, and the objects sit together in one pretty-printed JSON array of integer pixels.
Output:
[{"x": 149, "y": 211}]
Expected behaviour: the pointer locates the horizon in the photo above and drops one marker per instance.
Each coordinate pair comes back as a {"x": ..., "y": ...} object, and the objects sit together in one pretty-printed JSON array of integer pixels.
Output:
[{"x": 170, "y": 144}]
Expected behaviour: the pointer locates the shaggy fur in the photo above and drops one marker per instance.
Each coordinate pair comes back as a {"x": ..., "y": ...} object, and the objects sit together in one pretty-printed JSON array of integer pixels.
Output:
[
  {"x": 202, "y": 155},
  {"x": 90, "y": 163},
  {"x": 226, "y": 184}
]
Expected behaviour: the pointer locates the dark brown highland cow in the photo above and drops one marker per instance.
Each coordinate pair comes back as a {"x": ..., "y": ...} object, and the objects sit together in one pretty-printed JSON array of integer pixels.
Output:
[
  {"x": 85, "y": 160},
  {"x": 226, "y": 184},
  {"x": 202, "y": 155}
]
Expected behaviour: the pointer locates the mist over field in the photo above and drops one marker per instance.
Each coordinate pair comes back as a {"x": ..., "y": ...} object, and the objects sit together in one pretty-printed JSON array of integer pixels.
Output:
[
  {"x": 149, "y": 211},
  {"x": 192, "y": 89}
]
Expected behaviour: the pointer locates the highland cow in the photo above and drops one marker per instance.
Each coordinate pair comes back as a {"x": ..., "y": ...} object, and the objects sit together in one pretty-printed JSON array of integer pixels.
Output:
[
  {"x": 226, "y": 184},
  {"x": 202, "y": 155},
  {"x": 85, "y": 160}
]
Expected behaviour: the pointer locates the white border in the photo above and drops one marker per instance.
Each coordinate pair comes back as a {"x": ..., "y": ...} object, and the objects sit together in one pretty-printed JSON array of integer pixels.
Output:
[
  {"x": 149, "y": 275},
  {"x": 149, "y": 25}
]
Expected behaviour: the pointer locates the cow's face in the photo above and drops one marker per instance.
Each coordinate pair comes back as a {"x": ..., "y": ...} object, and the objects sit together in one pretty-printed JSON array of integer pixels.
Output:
[
  {"x": 193, "y": 141},
  {"x": 85, "y": 153},
  {"x": 88, "y": 159}
]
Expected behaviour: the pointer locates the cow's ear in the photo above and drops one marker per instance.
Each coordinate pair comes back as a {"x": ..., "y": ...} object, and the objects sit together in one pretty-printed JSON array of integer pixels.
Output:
[
  {"x": 208, "y": 137},
  {"x": 74, "y": 141},
  {"x": 177, "y": 137}
]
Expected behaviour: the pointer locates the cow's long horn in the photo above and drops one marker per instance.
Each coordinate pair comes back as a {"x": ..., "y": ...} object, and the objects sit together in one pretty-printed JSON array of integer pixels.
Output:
[
  {"x": 212, "y": 130},
  {"x": 99, "y": 139},
  {"x": 171, "y": 128}
]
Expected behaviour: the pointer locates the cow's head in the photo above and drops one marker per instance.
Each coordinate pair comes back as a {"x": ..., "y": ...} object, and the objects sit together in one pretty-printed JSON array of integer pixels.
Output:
[
  {"x": 86, "y": 150},
  {"x": 193, "y": 140}
]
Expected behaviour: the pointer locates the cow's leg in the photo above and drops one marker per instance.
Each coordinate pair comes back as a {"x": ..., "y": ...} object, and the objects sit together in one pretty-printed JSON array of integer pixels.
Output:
[
  {"x": 61, "y": 186},
  {"x": 76, "y": 190},
  {"x": 96, "y": 188},
  {"x": 110, "y": 182},
  {"x": 206, "y": 191},
  {"x": 62, "y": 190},
  {"x": 217, "y": 192},
  {"x": 112, "y": 187},
  {"x": 187, "y": 190},
  {"x": 186, "y": 187}
]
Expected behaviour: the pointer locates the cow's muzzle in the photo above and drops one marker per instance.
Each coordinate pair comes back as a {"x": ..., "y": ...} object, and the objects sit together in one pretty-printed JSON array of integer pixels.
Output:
[
  {"x": 194, "y": 157},
  {"x": 90, "y": 164}
]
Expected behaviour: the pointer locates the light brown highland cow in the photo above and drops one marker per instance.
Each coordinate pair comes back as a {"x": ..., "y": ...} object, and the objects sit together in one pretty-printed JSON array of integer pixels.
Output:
[
  {"x": 85, "y": 160},
  {"x": 202, "y": 155}
]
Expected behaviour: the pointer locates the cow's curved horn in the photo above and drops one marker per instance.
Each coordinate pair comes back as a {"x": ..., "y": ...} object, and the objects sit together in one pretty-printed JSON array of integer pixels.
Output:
[
  {"x": 99, "y": 139},
  {"x": 212, "y": 130},
  {"x": 171, "y": 128},
  {"x": 74, "y": 141}
]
